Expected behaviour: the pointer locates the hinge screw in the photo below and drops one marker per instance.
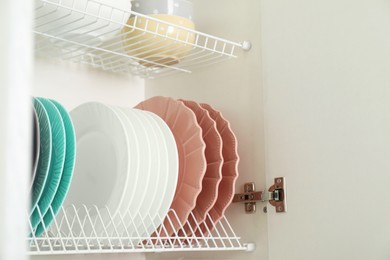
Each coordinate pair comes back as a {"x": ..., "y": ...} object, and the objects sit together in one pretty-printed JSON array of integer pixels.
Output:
[{"x": 265, "y": 209}]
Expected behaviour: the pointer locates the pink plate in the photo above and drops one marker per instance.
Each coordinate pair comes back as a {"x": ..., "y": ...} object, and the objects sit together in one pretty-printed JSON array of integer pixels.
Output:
[
  {"x": 192, "y": 162},
  {"x": 213, "y": 175},
  {"x": 229, "y": 169}
]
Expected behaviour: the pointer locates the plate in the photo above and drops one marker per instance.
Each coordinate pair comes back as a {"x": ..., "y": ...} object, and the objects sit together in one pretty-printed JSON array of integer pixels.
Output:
[
  {"x": 192, "y": 162},
  {"x": 144, "y": 171},
  {"x": 213, "y": 175},
  {"x": 159, "y": 189},
  {"x": 35, "y": 147},
  {"x": 56, "y": 162},
  {"x": 45, "y": 147},
  {"x": 67, "y": 173},
  {"x": 226, "y": 188},
  {"x": 102, "y": 163},
  {"x": 155, "y": 186},
  {"x": 134, "y": 159},
  {"x": 169, "y": 171}
]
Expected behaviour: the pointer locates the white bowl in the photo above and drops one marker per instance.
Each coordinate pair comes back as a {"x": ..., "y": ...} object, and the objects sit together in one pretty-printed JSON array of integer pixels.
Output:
[
  {"x": 159, "y": 44},
  {"x": 81, "y": 21},
  {"x": 181, "y": 8}
]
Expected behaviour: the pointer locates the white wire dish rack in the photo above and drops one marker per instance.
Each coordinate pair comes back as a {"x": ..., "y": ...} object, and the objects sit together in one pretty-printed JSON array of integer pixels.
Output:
[
  {"x": 124, "y": 41},
  {"x": 81, "y": 230}
]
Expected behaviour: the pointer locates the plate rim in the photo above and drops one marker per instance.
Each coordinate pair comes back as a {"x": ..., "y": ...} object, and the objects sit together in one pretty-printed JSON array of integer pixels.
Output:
[
  {"x": 56, "y": 162},
  {"x": 69, "y": 164},
  {"x": 45, "y": 125},
  {"x": 181, "y": 215}
]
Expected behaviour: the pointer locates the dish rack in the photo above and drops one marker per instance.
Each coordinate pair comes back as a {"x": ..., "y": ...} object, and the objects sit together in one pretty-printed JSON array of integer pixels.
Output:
[
  {"x": 81, "y": 230},
  {"x": 203, "y": 49}
]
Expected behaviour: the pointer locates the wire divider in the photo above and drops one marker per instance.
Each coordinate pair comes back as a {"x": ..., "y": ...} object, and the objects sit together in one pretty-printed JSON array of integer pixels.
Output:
[
  {"x": 104, "y": 37},
  {"x": 88, "y": 229}
]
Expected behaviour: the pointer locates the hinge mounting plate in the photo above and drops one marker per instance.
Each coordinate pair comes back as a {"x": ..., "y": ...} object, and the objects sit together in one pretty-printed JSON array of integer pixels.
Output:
[{"x": 276, "y": 196}]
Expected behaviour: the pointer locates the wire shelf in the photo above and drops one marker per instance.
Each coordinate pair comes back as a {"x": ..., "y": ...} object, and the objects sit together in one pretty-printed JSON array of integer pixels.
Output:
[
  {"x": 124, "y": 41},
  {"x": 81, "y": 230}
]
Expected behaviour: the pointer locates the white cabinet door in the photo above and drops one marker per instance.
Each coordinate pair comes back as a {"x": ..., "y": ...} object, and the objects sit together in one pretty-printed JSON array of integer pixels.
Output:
[
  {"x": 327, "y": 91},
  {"x": 15, "y": 116}
]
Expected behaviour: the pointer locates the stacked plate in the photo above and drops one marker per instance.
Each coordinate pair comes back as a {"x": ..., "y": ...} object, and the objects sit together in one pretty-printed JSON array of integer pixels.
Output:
[
  {"x": 53, "y": 162},
  {"x": 166, "y": 163},
  {"x": 208, "y": 162},
  {"x": 127, "y": 163}
]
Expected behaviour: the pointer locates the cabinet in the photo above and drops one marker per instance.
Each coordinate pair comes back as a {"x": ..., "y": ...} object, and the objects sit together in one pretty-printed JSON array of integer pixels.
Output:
[
  {"x": 129, "y": 90},
  {"x": 310, "y": 105}
]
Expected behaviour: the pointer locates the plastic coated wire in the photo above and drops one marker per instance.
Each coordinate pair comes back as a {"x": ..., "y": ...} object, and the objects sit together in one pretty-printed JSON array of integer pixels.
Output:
[
  {"x": 125, "y": 52},
  {"x": 87, "y": 230}
]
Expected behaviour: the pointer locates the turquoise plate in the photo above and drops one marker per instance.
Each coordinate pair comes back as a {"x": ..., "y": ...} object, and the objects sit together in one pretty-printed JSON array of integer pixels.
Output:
[
  {"x": 35, "y": 147},
  {"x": 67, "y": 173},
  {"x": 56, "y": 162},
  {"x": 45, "y": 148}
]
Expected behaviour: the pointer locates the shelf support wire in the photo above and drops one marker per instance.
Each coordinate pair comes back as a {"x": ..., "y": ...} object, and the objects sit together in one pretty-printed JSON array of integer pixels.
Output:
[
  {"x": 231, "y": 231},
  {"x": 135, "y": 228},
  {"x": 81, "y": 235},
  {"x": 60, "y": 241},
  {"x": 114, "y": 226},
  {"x": 152, "y": 241},
  {"x": 105, "y": 50},
  {"x": 90, "y": 229},
  {"x": 163, "y": 228},
  {"x": 199, "y": 230},
  {"x": 208, "y": 232},
  {"x": 191, "y": 236},
  {"x": 207, "y": 236},
  {"x": 130, "y": 243},
  {"x": 84, "y": 44},
  {"x": 93, "y": 230},
  {"x": 65, "y": 217},
  {"x": 166, "y": 235},
  {"x": 158, "y": 239},
  {"x": 46, "y": 232},
  {"x": 106, "y": 232},
  {"x": 124, "y": 52},
  {"x": 142, "y": 230},
  {"x": 176, "y": 231},
  {"x": 32, "y": 238},
  {"x": 224, "y": 232}
]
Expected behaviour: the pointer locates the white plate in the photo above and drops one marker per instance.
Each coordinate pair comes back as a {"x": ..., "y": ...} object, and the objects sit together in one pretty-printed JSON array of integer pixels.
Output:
[
  {"x": 134, "y": 159},
  {"x": 156, "y": 186},
  {"x": 144, "y": 172},
  {"x": 169, "y": 169},
  {"x": 102, "y": 162}
]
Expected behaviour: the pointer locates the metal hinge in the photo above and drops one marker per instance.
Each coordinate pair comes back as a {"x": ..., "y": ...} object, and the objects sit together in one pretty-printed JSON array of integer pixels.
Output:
[{"x": 276, "y": 196}]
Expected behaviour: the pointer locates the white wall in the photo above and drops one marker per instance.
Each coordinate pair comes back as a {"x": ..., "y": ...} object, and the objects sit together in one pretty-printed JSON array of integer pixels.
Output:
[
  {"x": 73, "y": 84},
  {"x": 326, "y": 95}
]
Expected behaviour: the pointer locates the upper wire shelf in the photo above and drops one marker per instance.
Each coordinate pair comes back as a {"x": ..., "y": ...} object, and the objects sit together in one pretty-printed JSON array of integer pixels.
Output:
[
  {"x": 82, "y": 230},
  {"x": 124, "y": 41}
]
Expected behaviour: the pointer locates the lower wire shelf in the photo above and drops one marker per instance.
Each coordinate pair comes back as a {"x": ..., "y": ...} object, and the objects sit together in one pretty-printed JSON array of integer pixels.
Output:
[{"x": 87, "y": 230}]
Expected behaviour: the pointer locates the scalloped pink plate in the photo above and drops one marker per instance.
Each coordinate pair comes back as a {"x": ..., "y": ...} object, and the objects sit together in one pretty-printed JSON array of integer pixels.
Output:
[
  {"x": 192, "y": 162},
  {"x": 213, "y": 175},
  {"x": 226, "y": 188}
]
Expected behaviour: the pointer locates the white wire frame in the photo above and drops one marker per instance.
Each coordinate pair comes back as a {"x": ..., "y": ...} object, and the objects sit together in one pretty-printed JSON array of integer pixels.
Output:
[
  {"x": 86, "y": 230},
  {"x": 126, "y": 51}
]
